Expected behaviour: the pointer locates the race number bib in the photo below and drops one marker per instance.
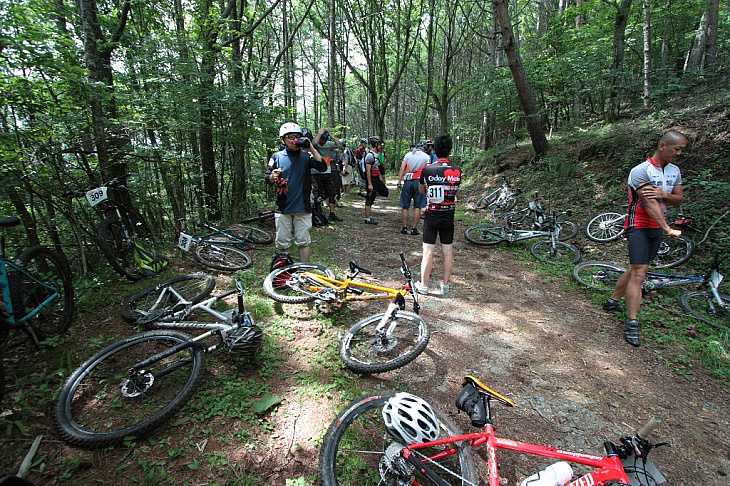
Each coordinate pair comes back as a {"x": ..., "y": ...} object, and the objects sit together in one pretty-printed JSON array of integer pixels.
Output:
[
  {"x": 184, "y": 242},
  {"x": 95, "y": 196},
  {"x": 435, "y": 194}
]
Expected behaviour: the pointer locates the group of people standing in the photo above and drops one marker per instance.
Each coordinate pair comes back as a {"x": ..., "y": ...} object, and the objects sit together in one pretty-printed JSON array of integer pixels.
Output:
[{"x": 430, "y": 182}]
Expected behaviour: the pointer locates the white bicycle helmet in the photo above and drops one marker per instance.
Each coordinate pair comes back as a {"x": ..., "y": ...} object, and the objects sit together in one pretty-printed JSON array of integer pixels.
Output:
[
  {"x": 289, "y": 128},
  {"x": 410, "y": 419}
]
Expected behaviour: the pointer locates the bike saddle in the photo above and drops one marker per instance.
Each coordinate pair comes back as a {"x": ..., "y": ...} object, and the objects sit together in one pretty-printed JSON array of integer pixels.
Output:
[
  {"x": 9, "y": 221},
  {"x": 485, "y": 389}
]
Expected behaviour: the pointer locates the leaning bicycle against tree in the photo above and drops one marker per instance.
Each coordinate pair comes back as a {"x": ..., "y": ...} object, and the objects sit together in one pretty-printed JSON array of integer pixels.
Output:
[{"x": 379, "y": 343}]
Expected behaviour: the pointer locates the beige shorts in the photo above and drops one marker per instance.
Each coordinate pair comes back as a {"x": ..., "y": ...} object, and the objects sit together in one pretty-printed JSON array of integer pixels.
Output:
[
  {"x": 292, "y": 226},
  {"x": 347, "y": 179}
]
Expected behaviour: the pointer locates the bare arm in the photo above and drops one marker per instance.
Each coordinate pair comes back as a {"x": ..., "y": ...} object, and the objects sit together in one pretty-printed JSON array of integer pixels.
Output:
[
  {"x": 651, "y": 204},
  {"x": 402, "y": 170}
]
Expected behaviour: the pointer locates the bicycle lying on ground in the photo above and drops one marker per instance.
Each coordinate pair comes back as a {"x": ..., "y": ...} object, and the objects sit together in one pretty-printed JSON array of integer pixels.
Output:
[
  {"x": 609, "y": 226},
  {"x": 36, "y": 293},
  {"x": 209, "y": 252},
  {"x": 376, "y": 344},
  {"x": 500, "y": 200},
  {"x": 121, "y": 231},
  {"x": 399, "y": 439},
  {"x": 540, "y": 219},
  {"x": 243, "y": 233},
  {"x": 707, "y": 305},
  {"x": 136, "y": 384},
  {"x": 551, "y": 250}
]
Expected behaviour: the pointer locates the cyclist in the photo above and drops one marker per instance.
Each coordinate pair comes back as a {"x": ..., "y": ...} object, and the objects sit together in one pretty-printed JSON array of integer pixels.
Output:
[
  {"x": 290, "y": 171},
  {"x": 410, "y": 172},
  {"x": 652, "y": 185}
]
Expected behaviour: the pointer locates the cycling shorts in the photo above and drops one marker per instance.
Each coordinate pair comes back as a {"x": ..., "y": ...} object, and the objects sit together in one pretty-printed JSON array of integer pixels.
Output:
[
  {"x": 643, "y": 244},
  {"x": 441, "y": 225}
]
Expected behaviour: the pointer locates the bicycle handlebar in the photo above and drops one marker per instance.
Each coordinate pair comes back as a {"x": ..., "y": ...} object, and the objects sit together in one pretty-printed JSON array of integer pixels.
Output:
[{"x": 111, "y": 183}]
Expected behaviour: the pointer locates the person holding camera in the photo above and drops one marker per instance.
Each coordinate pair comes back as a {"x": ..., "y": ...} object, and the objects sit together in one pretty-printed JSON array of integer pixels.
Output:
[
  {"x": 289, "y": 170},
  {"x": 327, "y": 145}
]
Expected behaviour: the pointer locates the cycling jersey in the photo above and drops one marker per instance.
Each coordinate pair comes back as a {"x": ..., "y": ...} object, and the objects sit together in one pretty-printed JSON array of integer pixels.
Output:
[
  {"x": 649, "y": 172},
  {"x": 442, "y": 181}
]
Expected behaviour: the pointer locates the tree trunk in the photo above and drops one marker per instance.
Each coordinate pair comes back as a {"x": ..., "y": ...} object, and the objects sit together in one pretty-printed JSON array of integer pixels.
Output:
[
  {"x": 532, "y": 118},
  {"x": 647, "y": 52},
  {"x": 695, "y": 55},
  {"x": 712, "y": 22},
  {"x": 616, "y": 73}
]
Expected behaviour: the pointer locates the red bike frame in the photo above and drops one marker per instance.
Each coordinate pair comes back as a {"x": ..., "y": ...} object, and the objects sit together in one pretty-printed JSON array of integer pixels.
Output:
[{"x": 608, "y": 468}]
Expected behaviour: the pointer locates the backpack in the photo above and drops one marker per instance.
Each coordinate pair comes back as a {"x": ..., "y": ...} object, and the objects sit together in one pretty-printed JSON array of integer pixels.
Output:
[
  {"x": 361, "y": 164},
  {"x": 149, "y": 261}
]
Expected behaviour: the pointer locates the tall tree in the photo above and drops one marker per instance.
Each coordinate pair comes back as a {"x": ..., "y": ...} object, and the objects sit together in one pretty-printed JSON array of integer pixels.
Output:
[
  {"x": 532, "y": 117},
  {"x": 615, "y": 77}
]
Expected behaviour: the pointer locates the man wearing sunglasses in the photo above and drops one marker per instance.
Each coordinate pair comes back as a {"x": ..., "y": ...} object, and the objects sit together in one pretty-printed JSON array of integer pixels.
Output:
[{"x": 289, "y": 170}]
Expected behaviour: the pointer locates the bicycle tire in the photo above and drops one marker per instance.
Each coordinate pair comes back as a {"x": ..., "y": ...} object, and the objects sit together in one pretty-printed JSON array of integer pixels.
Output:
[
  {"x": 251, "y": 234},
  {"x": 598, "y": 275},
  {"x": 604, "y": 227},
  {"x": 506, "y": 205},
  {"x": 485, "y": 234},
  {"x": 364, "y": 351},
  {"x": 568, "y": 230},
  {"x": 194, "y": 288},
  {"x": 487, "y": 199},
  {"x": 220, "y": 257},
  {"x": 702, "y": 305},
  {"x": 284, "y": 284},
  {"x": 118, "y": 249},
  {"x": 355, "y": 444},
  {"x": 51, "y": 268},
  {"x": 514, "y": 217},
  {"x": 673, "y": 252},
  {"x": 94, "y": 408},
  {"x": 562, "y": 253}
]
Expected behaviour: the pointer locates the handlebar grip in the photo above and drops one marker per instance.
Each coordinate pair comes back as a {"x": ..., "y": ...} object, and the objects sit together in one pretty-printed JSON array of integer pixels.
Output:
[
  {"x": 68, "y": 194},
  {"x": 649, "y": 427}
]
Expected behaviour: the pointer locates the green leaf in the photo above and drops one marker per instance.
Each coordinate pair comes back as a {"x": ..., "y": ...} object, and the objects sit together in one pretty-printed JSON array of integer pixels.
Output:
[{"x": 264, "y": 403}]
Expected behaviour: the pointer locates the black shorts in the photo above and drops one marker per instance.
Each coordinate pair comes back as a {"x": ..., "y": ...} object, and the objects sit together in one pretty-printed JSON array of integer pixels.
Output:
[
  {"x": 326, "y": 186},
  {"x": 379, "y": 189},
  {"x": 643, "y": 244},
  {"x": 438, "y": 224}
]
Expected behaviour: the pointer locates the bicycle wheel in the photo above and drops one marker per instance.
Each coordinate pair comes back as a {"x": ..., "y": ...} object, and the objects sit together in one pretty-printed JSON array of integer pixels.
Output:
[
  {"x": 226, "y": 258},
  {"x": 598, "y": 275},
  {"x": 161, "y": 300},
  {"x": 51, "y": 268},
  {"x": 673, "y": 252},
  {"x": 486, "y": 200},
  {"x": 568, "y": 230},
  {"x": 514, "y": 217},
  {"x": 605, "y": 227},
  {"x": 485, "y": 234},
  {"x": 118, "y": 249},
  {"x": 251, "y": 234},
  {"x": 505, "y": 205},
  {"x": 561, "y": 253},
  {"x": 357, "y": 449},
  {"x": 365, "y": 350},
  {"x": 289, "y": 285},
  {"x": 101, "y": 403},
  {"x": 703, "y": 306}
]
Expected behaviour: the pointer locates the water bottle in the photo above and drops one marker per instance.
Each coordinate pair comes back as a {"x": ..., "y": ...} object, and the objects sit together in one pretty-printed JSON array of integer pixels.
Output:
[{"x": 556, "y": 474}]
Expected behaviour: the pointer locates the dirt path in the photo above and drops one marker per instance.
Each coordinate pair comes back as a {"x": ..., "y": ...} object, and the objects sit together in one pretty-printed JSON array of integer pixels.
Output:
[
  {"x": 563, "y": 361},
  {"x": 539, "y": 342}
]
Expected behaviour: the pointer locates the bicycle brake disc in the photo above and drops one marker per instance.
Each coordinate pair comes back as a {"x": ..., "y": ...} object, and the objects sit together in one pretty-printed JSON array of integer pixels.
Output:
[
  {"x": 137, "y": 384},
  {"x": 394, "y": 469}
]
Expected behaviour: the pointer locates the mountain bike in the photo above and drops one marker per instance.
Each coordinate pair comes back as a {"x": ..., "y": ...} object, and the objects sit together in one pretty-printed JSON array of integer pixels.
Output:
[
  {"x": 500, "y": 200},
  {"x": 551, "y": 250},
  {"x": 121, "y": 230},
  {"x": 707, "y": 304},
  {"x": 243, "y": 234},
  {"x": 211, "y": 253},
  {"x": 136, "y": 384},
  {"x": 379, "y": 343},
  {"x": 366, "y": 444},
  {"x": 36, "y": 293},
  {"x": 609, "y": 226},
  {"x": 534, "y": 208}
]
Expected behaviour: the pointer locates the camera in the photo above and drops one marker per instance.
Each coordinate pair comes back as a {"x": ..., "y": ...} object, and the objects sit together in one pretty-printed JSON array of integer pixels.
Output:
[
  {"x": 302, "y": 142},
  {"x": 325, "y": 135}
]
